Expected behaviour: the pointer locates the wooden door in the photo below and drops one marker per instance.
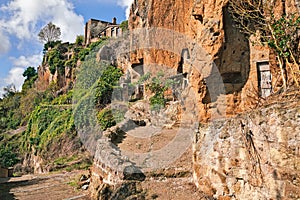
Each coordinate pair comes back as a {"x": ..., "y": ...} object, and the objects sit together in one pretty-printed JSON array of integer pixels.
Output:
[{"x": 264, "y": 79}]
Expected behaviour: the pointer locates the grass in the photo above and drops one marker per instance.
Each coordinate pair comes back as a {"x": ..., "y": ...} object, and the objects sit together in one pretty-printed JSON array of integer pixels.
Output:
[{"x": 64, "y": 160}]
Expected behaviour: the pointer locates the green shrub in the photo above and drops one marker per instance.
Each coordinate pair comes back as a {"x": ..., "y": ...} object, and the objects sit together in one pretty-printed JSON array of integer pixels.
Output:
[
  {"x": 63, "y": 99},
  {"x": 79, "y": 40},
  {"x": 55, "y": 60},
  {"x": 158, "y": 85},
  {"x": 95, "y": 46},
  {"x": 105, "y": 85},
  {"x": 7, "y": 157},
  {"x": 51, "y": 45},
  {"x": 106, "y": 118},
  {"x": 82, "y": 53},
  {"x": 157, "y": 101},
  {"x": 124, "y": 25},
  {"x": 71, "y": 63}
]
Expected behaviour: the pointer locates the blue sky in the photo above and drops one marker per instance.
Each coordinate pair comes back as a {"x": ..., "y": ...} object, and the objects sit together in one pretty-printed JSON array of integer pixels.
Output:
[{"x": 21, "y": 20}]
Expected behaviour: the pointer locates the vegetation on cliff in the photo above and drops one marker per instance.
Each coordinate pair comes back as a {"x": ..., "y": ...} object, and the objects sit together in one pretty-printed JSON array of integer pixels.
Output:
[
  {"x": 41, "y": 123},
  {"x": 124, "y": 25},
  {"x": 277, "y": 30},
  {"x": 48, "y": 119},
  {"x": 95, "y": 85},
  {"x": 158, "y": 85}
]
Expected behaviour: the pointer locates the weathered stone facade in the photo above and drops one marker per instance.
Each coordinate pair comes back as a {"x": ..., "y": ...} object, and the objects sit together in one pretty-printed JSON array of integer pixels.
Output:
[
  {"x": 253, "y": 156},
  {"x": 208, "y": 24},
  {"x": 237, "y": 158},
  {"x": 247, "y": 70},
  {"x": 111, "y": 168},
  {"x": 95, "y": 29}
]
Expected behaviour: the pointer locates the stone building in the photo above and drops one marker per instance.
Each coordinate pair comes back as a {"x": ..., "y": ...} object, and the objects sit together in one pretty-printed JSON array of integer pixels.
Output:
[
  {"x": 6, "y": 172},
  {"x": 95, "y": 29}
]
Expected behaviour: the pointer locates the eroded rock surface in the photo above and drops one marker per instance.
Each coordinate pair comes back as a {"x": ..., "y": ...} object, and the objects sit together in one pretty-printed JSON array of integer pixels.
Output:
[{"x": 253, "y": 156}]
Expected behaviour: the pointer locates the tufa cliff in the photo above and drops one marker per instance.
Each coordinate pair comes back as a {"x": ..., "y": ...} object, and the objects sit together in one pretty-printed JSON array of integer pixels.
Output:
[
  {"x": 252, "y": 156},
  {"x": 240, "y": 63},
  {"x": 210, "y": 140},
  {"x": 224, "y": 73}
]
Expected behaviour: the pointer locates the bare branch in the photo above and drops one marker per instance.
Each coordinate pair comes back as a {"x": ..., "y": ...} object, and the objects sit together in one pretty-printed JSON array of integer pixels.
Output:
[{"x": 49, "y": 33}]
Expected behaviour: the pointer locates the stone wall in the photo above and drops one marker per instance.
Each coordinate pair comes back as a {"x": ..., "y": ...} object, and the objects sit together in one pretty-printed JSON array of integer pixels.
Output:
[
  {"x": 94, "y": 29},
  {"x": 6, "y": 172},
  {"x": 111, "y": 169},
  {"x": 253, "y": 156}
]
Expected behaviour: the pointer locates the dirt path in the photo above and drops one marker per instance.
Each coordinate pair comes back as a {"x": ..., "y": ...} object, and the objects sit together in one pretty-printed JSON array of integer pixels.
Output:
[{"x": 42, "y": 187}]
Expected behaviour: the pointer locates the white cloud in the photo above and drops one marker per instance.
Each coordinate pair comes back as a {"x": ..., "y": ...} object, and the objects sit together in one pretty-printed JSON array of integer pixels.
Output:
[
  {"x": 23, "y": 20},
  {"x": 125, "y": 4},
  {"x": 15, "y": 77},
  {"x": 1, "y": 91},
  {"x": 25, "y": 62},
  {"x": 25, "y": 17},
  {"x": 4, "y": 44}
]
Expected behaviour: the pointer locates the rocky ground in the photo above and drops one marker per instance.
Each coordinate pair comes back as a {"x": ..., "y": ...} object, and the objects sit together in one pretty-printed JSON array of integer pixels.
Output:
[
  {"x": 174, "y": 181},
  {"x": 163, "y": 188},
  {"x": 56, "y": 186}
]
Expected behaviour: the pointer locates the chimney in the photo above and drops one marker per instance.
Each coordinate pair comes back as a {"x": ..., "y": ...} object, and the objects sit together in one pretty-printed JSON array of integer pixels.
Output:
[{"x": 114, "y": 20}]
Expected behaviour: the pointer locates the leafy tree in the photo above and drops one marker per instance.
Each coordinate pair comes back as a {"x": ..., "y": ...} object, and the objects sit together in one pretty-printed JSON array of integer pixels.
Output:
[
  {"x": 79, "y": 40},
  {"x": 10, "y": 115},
  {"x": 55, "y": 60},
  {"x": 49, "y": 33},
  {"x": 124, "y": 25},
  {"x": 254, "y": 17},
  {"x": 29, "y": 73},
  {"x": 50, "y": 45},
  {"x": 7, "y": 157}
]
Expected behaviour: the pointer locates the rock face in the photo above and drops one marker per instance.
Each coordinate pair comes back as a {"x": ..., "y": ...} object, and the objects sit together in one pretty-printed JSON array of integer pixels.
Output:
[
  {"x": 209, "y": 27},
  {"x": 253, "y": 156},
  {"x": 249, "y": 156},
  {"x": 233, "y": 85},
  {"x": 63, "y": 80}
]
